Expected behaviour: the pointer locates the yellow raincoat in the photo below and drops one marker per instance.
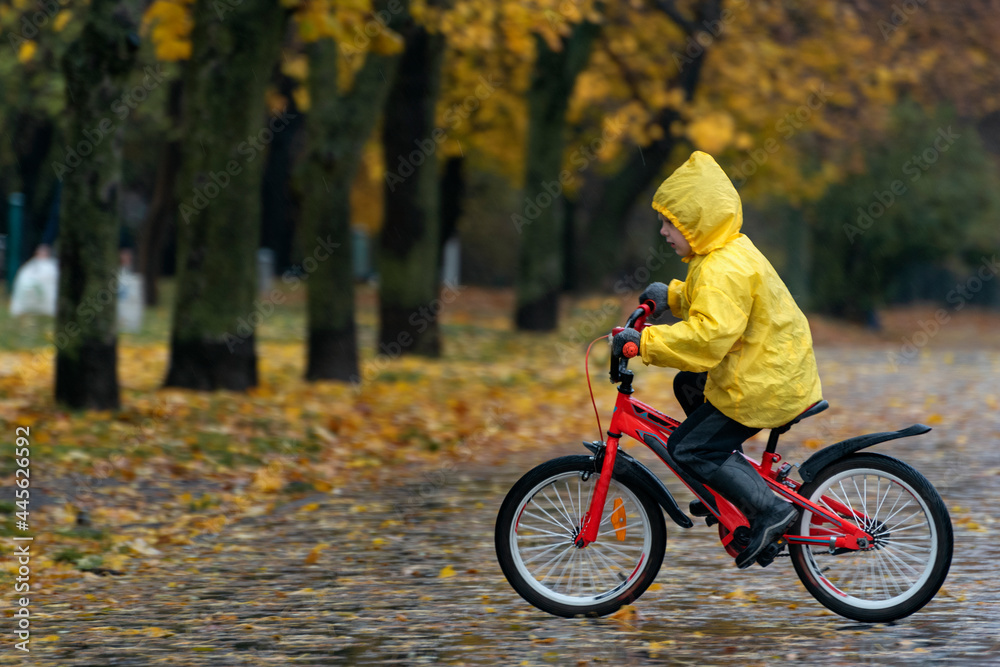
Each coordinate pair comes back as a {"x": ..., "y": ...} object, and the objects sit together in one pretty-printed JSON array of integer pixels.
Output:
[{"x": 740, "y": 322}]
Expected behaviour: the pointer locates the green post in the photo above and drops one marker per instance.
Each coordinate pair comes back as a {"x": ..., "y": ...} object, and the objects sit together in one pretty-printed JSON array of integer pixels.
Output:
[{"x": 16, "y": 201}]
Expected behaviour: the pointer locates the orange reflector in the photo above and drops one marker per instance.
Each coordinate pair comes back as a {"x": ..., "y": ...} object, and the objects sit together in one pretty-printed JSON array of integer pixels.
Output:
[{"x": 618, "y": 519}]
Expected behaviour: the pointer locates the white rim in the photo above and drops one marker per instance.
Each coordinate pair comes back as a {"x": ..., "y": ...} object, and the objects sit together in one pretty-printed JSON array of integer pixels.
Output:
[
  {"x": 905, "y": 546},
  {"x": 545, "y": 556}
]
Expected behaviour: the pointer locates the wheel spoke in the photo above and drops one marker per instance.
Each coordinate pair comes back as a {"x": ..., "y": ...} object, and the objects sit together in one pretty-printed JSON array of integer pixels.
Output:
[
  {"x": 569, "y": 520},
  {"x": 565, "y": 512},
  {"x": 900, "y": 530},
  {"x": 542, "y": 554},
  {"x": 543, "y": 531},
  {"x": 888, "y": 529},
  {"x": 610, "y": 548},
  {"x": 555, "y": 562},
  {"x": 546, "y": 519}
]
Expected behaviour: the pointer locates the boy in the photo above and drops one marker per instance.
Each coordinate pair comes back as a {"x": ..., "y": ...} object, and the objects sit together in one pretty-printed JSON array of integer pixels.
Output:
[{"x": 743, "y": 348}]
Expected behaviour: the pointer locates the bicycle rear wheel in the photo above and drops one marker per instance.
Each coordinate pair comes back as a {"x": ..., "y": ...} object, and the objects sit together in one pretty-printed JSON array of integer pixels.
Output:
[
  {"x": 911, "y": 553},
  {"x": 536, "y": 526}
]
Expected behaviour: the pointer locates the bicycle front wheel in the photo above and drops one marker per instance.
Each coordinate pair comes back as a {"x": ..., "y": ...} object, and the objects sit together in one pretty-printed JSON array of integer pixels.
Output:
[
  {"x": 907, "y": 562},
  {"x": 536, "y": 526}
]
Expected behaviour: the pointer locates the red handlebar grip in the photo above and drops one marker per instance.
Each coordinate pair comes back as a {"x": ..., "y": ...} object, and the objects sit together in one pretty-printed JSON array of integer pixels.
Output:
[{"x": 630, "y": 349}]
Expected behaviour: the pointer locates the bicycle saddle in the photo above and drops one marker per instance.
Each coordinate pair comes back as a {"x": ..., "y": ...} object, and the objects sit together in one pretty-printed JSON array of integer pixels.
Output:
[{"x": 812, "y": 410}]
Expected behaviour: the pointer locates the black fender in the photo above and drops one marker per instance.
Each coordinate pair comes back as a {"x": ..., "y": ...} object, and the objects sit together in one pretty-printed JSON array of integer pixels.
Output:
[
  {"x": 827, "y": 455},
  {"x": 634, "y": 474}
]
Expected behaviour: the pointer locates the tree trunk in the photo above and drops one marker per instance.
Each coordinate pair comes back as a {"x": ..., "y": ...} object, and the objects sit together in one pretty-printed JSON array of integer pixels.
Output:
[
  {"x": 408, "y": 246},
  {"x": 452, "y": 196},
  {"x": 337, "y": 127},
  {"x": 96, "y": 66},
  {"x": 540, "y": 263},
  {"x": 281, "y": 204},
  {"x": 160, "y": 217},
  {"x": 226, "y": 139},
  {"x": 603, "y": 249}
]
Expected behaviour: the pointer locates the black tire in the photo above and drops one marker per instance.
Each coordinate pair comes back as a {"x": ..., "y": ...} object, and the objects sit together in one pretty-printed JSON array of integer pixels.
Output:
[
  {"x": 913, "y": 543},
  {"x": 625, "y": 561}
]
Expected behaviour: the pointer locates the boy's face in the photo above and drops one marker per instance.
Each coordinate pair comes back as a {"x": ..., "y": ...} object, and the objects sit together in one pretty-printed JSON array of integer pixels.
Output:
[{"x": 674, "y": 237}]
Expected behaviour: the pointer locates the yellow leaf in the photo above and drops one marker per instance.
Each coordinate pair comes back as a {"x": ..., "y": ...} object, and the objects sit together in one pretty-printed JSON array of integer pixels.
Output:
[
  {"x": 446, "y": 571},
  {"x": 157, "y": 632},
  {"x": 27, "y": 51},
  {"x": 268, "y": 480},
  {"x": 50, "y": 638},
  {"x": 313, "y": 555},
  {"x": 297, "y": 67},
  {"x": 934, "y": 419},
  {"x": 301, "y": 97},
  {"x": 62, "y": 18},
  {"x": 311, "y": 507}
]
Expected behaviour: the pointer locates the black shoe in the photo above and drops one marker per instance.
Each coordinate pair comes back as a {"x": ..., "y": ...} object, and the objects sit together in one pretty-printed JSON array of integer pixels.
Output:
[
  {"x": 765, "y": 529},
  {"x": 769, "y": 516}
]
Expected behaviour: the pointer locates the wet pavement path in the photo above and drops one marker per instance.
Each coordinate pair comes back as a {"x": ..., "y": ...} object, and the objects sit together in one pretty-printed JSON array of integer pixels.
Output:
[{"x": 402, "y": 570}]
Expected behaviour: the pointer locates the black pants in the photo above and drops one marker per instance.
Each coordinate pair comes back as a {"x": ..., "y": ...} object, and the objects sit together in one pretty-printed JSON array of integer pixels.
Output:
[{"x": 707, "y": 437}]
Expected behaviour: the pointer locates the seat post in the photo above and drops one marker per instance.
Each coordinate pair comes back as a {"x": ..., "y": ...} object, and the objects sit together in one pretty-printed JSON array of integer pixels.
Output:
[{"x": 772, "y": 441}]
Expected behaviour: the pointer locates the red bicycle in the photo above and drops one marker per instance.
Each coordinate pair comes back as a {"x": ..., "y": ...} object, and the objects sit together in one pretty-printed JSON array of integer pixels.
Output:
[{"x": 584, "y": 535}]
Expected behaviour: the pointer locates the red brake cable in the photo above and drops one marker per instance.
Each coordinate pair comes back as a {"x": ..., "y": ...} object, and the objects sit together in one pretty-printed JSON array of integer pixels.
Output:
[{"x": 586, "y": 370}]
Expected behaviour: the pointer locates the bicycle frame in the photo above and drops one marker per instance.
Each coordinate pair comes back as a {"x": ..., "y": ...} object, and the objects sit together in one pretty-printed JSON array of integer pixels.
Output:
[{"x": 642, "y": 422}]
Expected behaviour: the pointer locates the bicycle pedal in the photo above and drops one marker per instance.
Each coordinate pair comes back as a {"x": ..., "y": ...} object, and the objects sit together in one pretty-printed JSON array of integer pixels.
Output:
[
  {"x": 710, "y": 520},
  {"x": 698, "y": 508},
  {"x": 768, "y": 554}
]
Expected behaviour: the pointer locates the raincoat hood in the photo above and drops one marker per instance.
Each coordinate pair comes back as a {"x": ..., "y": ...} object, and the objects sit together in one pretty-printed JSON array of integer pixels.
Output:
[{"x": 700, "y": 200}]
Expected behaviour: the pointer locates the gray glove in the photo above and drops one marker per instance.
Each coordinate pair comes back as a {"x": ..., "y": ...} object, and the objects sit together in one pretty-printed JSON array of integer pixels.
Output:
[
  {"x": 620, "y": 343},
  {"x": 657, "y": 293}
]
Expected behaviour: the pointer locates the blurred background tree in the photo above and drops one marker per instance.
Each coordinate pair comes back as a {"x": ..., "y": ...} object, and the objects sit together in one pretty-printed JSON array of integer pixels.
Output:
[
  {"x": 96, "y": 66},
  {"x": 813, "y": 110},
  {"x": 926, "y": 202}
]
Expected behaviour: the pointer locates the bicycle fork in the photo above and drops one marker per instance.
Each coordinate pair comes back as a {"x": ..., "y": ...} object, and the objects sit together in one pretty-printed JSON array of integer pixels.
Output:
[{"x": 591, "y": 521}]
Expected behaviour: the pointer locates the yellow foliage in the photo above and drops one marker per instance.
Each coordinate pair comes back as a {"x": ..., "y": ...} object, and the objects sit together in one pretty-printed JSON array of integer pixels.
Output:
[
  {"x": 712, "y": 132},
  {"x": 62, "y": 18},
  {"x": 296, "y": 67},
  {"x": 302, "y": 99},
  {"x": 170, "y": 23},
  {"x": 27, "y": 51}
]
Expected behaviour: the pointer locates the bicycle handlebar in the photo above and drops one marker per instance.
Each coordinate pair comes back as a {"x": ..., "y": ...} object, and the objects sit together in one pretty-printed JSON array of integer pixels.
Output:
[{"x": 637, "y": 321}]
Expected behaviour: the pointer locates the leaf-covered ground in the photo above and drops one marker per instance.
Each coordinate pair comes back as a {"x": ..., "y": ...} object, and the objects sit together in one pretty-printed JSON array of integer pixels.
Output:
[{"x": 320, "y": 524}]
